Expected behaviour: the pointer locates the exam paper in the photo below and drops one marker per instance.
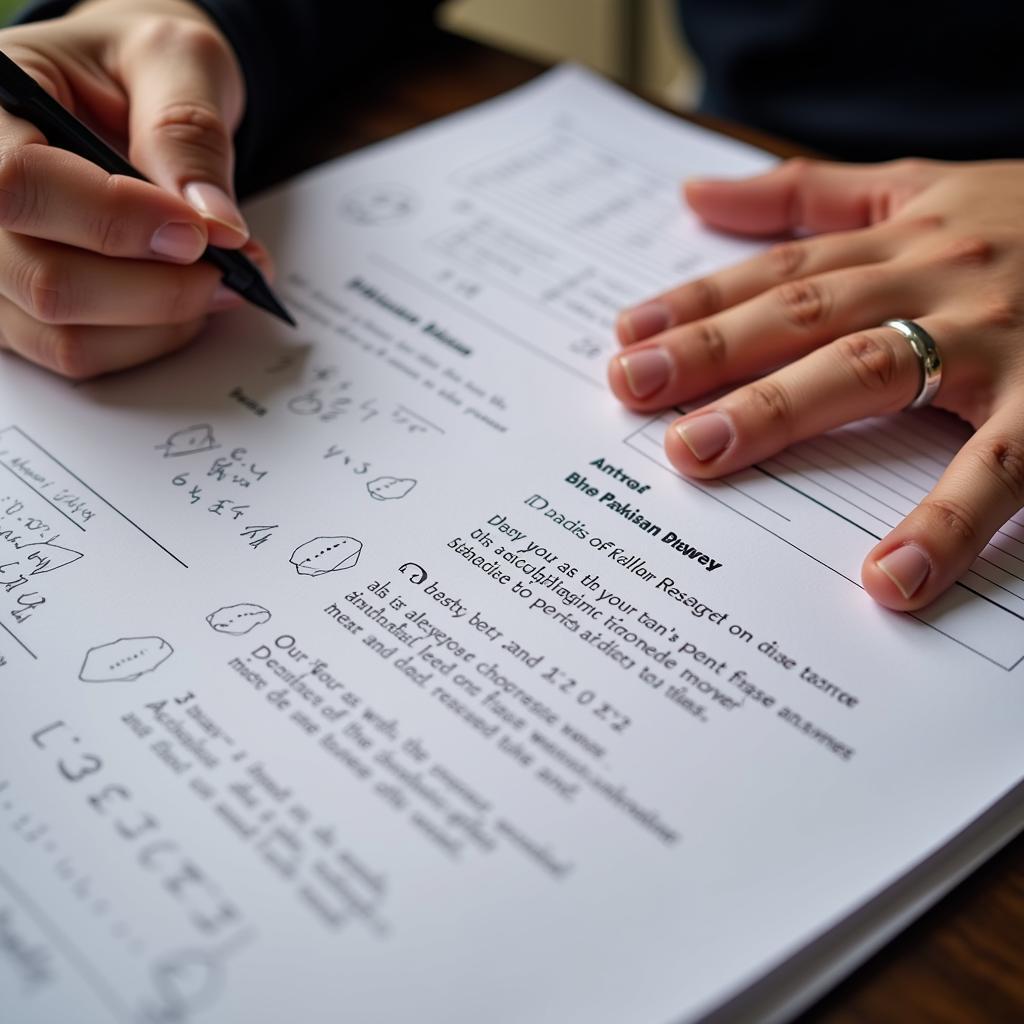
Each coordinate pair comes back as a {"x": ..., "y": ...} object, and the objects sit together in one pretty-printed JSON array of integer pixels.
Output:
[{"x": 384, "y": 670}]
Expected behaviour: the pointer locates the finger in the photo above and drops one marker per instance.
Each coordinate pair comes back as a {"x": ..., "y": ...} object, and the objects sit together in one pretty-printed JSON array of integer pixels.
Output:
[
  {"x": 186, "y": 94},
  {"x": 938, "y": 542},
  {"x": 786, "y": 261},
  {"x": 864, "y": 374},
  {"x": 56, "y": 284},
  {"x": 51, "y": 194},
  {"x": 808, "y": 195},
  {"x": 773, "y": 328},
  {"x": 81, "y": 352}
]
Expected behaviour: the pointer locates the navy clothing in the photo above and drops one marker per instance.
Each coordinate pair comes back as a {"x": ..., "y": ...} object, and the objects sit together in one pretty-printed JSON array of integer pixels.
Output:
[
  {"x": 854, "y": 79},
  {"x": 867, "y": 79}
]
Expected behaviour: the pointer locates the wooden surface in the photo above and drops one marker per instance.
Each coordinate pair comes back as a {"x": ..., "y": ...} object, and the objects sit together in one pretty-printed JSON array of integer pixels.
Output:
[{"x": 964, "y": 960}]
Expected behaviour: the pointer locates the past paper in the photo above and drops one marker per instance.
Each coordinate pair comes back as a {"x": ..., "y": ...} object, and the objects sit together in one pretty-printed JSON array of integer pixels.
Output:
[{"x": 384, "y": 670}]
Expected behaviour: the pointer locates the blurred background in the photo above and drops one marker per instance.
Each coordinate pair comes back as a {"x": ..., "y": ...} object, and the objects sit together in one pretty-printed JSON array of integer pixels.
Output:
[{"x": 634, "y": 41}]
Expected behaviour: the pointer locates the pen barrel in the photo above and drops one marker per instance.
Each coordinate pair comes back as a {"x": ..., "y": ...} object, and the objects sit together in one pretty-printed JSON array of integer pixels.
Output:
[{"x": 238, "y": 272}]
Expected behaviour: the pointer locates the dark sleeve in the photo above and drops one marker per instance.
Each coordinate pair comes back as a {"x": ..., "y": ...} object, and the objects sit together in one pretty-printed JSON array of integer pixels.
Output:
[
  {"x": 866, "y": 79},
  {"x": 290, "y": 51}
]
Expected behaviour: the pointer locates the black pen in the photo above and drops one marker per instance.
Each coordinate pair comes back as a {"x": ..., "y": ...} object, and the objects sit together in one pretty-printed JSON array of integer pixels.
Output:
[{"x": 22, "y": 96}]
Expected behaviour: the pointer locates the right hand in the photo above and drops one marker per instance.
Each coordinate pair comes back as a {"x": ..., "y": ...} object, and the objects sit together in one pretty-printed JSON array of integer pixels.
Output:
[{"x": 98, "y": 272}]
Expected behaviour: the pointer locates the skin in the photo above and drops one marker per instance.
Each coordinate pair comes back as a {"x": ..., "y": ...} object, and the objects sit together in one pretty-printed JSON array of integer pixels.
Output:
[
  {"x": 98, "y": 272},
  {"x": 940, "y": 244}
]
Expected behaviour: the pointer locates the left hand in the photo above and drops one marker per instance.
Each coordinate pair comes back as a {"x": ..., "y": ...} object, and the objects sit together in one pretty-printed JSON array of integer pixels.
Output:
[{"x": 941, "y": 244}]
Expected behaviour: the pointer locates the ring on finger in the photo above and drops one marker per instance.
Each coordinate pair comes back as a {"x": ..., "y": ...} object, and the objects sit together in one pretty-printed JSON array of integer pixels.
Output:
[{"x": 927, "y": 352}]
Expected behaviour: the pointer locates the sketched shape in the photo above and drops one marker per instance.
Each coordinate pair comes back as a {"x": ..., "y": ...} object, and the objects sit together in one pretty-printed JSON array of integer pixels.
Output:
[
  {"x": 326, "y": 554},
  {"x": 41, "y": 557},
  {"x": 306, "y": 405},
  {"x": 186, "y": 980},
  {"x": 124, "y": 660},
  {"x": 378, "y": 204},
  {"x": 238, "y": 619},
  {"x": 390, "y": 488},
  {"x": 189, "y": 440}
]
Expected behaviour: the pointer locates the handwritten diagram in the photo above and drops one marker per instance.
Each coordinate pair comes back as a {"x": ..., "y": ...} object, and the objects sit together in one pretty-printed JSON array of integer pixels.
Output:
[
  {"x": 124, "y": 660},
  {"x": 390, "y": 488},
  {"x": 307, "y": 404},
  {"x": 326, "y": 554},
  {"x": 189, "y": 440},
  {"x": 238, "y": 619},
  {"x": 378, "y": 204},
  {"x": 41, "y": 557},
  {"x": 185, "y": 981}
]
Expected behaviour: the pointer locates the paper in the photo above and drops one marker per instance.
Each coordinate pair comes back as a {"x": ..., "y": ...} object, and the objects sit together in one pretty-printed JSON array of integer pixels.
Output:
[{"x": 383, "y": 670}]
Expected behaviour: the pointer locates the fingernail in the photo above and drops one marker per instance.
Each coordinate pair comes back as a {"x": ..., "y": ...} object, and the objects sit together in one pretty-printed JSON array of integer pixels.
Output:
[
  {"x": 183, "y": 243},
  {"x": 907, "y": 567},
  {"x": 647, "y": 320},
  {"x": 224, "y": 298},
  {"x": 215, "y": 204},
  {"x": 647, "y": 370},
  {"x": 706, "y": 436}
]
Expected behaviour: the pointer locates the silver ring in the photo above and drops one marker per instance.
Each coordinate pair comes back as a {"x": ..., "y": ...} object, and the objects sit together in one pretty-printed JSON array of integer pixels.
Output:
[{"x": 928, "y": 353}]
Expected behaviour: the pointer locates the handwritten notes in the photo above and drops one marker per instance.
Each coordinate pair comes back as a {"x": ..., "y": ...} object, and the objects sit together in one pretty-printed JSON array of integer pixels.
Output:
[{"x": 384, "y": 670}]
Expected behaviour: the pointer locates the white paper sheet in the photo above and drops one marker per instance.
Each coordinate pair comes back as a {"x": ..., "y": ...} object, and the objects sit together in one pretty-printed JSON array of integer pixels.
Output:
[{"x": 332, "y": 691}]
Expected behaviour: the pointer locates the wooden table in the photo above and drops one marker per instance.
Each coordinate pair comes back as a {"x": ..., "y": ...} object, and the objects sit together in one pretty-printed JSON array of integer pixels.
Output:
[{"x": 964, "y": 960}]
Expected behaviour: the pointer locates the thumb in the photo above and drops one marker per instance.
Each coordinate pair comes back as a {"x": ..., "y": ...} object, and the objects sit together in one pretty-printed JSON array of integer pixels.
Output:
[
  {"x": 186, "y": 98},
  {"x": 808, "y": 195}
]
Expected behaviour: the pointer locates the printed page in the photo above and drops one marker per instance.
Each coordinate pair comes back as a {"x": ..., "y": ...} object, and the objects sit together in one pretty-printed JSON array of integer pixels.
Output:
[{"x": 384, "y": 670}]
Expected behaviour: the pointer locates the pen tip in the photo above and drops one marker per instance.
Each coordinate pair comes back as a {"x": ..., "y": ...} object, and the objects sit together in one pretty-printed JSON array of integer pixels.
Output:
[
  {"x": 259, "y": 294},
  {"x": 283, "y": 314}
]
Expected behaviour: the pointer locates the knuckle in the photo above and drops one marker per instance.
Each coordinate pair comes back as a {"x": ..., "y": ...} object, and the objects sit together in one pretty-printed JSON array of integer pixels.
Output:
[
  {"x": 16, "y": 193},
  {"x": 65, "y": 352},
  {"x": 708, "y": 337},
  {"x": 195, "y": 125},
  {"x": 113, "y": 233},
  {"x": 1003, "y": 458},
  {"x": 165, "y": 33},
  {"x": 952, "y": 517},
  {"x": 113, "y": 236},
  {"x": 924, "y": 222},
  {"x": 786, "y": 259},
  {"x": 203, "y": 40},
  {"x": 178, "y": 299},
  {"x": 42, "y": 288},
  {"x": 772, "y": 404},
  {"x": 873, "y": 360},
  {"x": 912, "y": 166},
  {"x": 798, "y": 167},
  {"x": 805, "y": 303},
  {"x": 1000, "y": 312},
  {"x": 970, "y": 251},
  {"x": 705, "y": 297}
]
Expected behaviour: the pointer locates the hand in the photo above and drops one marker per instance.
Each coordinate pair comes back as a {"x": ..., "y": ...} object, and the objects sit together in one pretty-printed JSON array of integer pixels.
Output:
[
  {"x": 941, "y": 244},
  {"x": 99, "y": 272}
]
